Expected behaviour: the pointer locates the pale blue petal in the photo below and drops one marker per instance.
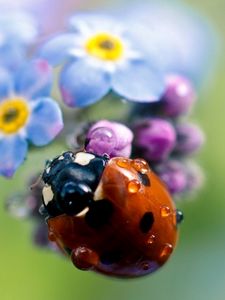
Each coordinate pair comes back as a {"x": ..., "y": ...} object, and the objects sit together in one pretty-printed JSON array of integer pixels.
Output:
[
  {"x": 92, "y": 22},
  {"x": 82, "y": 84},
  {"x": 138, "y": 81},
  {"x": 186, "y": 41},
  {"x": 45, "y": 122},
  {"x": 34, "y": 79},
  {"x": 6, "y": 83},
  {"x": 12, "y": 56},
  {"x": 18, "y": 27},
  {"x": 58, "y": 49},
  {"x": 13, "y": 150}
]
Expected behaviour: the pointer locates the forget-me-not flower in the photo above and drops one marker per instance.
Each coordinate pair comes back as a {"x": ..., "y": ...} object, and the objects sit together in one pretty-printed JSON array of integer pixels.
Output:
[
  {"x": 185, "y": 42},
  {"x": 18, "y": 30},
  {"x": 27, "y": 113},
  {"x": 100, "y": 56}
]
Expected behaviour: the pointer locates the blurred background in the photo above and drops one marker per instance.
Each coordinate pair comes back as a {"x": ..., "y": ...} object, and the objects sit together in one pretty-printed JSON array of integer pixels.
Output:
[{"x": 197, "y": 268}]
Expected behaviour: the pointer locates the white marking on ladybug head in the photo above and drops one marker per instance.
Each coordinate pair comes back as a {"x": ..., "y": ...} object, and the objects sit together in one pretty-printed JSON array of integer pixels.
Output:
[
  {"x": 83, "y": 158},
  {"x": 47, "y": 194},
  {"x": 48, "y": 170},
  {"x": 61, "y": 157}
]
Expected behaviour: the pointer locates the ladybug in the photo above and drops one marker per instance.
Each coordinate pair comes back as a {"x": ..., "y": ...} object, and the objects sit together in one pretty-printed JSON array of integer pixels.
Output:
[{"x": 113, "y": 216}]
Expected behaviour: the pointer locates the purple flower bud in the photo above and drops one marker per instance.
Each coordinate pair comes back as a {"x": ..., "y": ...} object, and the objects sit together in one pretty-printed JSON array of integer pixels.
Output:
[
  {"x": 154, "y": 138},
  {"x": 174, "y": 175},
  {"x": 195, "y": 176},
  {"x": 111, "y": 138},
  {"x": 40, "y": 237},
  {"x": 178, "y": 97},
  {"x": 190, "y": 138}
]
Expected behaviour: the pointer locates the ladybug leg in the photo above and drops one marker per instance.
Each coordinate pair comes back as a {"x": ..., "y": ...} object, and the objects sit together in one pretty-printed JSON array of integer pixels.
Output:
[{"x": 84, "y": 258}]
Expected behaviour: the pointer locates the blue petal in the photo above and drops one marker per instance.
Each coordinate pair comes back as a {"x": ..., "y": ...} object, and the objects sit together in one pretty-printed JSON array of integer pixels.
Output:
[
  {"x": 57, "y": 49},
  {"x": 92, "y": 22},
  {"x": 34, "y": 79},
  {"x": 45, "y": 122},
  {"x": 82, "y": 84},
  {"x": 6, "y": 83},
  {"x": 12, "y": 56},
  {"x": 18, "y": 27},
  {"x": 176, "y": 37},
  {"x": 138, "y": 81},
  {"x": 13, "y": 151}
]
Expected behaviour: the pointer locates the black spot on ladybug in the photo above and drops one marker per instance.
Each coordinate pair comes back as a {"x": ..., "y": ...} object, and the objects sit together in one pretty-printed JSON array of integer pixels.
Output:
[
  {"x": 179, "y": 216},
  {"x": 146, "y": 222},
  {"x": 109, "y": 258},
  {"x": 144, "y": 179},
  {"x": 99, "y": 213}
]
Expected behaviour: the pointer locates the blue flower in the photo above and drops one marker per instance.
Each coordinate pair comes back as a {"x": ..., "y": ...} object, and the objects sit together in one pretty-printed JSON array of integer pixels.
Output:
[
  {"x": 185, "y": 43},
  {"x": 27, "y": 113},
  {"x": 100, "y": 56},
  {"x": 18, "y": 30}
]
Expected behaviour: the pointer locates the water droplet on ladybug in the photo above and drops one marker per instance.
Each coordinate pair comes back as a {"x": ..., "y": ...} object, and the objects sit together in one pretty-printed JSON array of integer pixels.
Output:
[
  {"x": 179, "y": 216},
  {"x": 140, "y": 165},
  {"x": 134, "y": 186},
  {"x": 122, "y": 163},
  {"x": 167, "y": 250},
  {"x": 84, "y": 258},
  {"x": 151, "y": 239},
  {"x": 165, "y": 211}
]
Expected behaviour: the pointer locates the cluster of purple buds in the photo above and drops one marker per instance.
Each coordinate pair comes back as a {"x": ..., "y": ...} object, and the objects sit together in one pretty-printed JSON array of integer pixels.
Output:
[
  {"x": 166, "y": 139},
  {"x": 163, "y": 137}
]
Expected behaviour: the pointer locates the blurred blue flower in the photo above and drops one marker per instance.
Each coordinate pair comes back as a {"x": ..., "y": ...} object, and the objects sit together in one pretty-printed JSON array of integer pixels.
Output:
[
  {"x": 182, "y": 41},
  {"x": 26, "y": 113},
  {"x": 18, "y": 30},
  {"x": 100, "y": 56}
]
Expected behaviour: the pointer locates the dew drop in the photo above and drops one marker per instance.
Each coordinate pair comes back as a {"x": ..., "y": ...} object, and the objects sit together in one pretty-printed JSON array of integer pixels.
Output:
[
  {"x": 167, "y": 250},
  {"x": 179, "y": 216},
  {"x": 84, "y": 258},
  {"x": 165, "y": 211},
  {"x": 134, "y": 186},
  {"x": 151, "y": 239},
  {"x": 101, "y": 141},
  {"x": 122, "y": 163},
  {"x": 140, "y": 165}
]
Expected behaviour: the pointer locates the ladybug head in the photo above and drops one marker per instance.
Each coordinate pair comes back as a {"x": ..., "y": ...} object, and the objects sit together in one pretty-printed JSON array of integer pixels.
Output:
[{"x": 70, "y": 182}]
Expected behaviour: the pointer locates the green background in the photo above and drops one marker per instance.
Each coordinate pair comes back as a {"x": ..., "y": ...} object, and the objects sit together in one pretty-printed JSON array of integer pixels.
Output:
[{"x": 196, "y": 270}]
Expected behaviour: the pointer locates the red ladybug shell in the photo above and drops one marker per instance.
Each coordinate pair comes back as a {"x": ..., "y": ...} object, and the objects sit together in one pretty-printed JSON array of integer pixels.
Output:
[{"x": 136, "y": 232}]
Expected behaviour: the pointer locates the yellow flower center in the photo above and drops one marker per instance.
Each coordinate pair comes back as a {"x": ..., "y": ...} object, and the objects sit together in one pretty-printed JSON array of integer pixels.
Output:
[
  {"x": 14, "y": 113},
  {"x": 105, "y": 47}
]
